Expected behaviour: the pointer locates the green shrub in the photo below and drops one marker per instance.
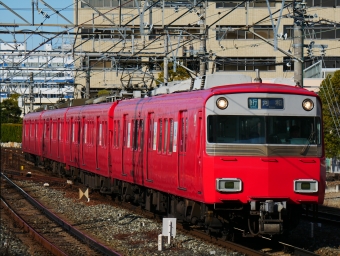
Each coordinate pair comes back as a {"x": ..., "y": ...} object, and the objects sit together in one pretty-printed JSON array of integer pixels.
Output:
[{"x": 11, "y": 133}]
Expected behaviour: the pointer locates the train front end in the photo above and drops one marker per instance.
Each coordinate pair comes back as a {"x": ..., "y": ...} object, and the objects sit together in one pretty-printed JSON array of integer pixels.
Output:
[{"x": 264, "y": 156}]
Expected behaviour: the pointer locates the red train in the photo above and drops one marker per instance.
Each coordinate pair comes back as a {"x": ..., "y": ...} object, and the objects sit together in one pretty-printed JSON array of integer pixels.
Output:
[{"x": 246, "y": 155}]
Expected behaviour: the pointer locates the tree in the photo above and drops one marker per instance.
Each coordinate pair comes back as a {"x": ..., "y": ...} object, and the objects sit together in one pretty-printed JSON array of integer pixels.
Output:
[
  {"x": 180, "y": 74},
  {"x": 103, "y": 93},
  {"x": 10, "y": 111},
  {"x": 330, "y": 97}
]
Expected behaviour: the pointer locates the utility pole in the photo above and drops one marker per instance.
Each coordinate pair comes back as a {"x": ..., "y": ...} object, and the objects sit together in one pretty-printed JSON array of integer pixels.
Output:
[
  {"x": 299, "y": 9},
  {"x": 87, "y": 96},
  {"x": 166, "y": 61},
  {"x": 203, "y": 47},
  {"x": 31, "y": 92},
  {"x": 32, "y": 12}
]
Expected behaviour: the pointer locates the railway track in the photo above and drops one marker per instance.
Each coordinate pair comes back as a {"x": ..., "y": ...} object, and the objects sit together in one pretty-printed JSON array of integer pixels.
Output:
[
  {"x": 269, "y": 244},
  {"x": 55, "y": 234},
  {"x": 261, "y": 246},
  {"x": 325, "y": 214}
]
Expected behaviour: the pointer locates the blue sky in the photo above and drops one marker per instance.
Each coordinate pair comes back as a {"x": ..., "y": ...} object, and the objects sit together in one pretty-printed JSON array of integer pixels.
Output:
[{"x": 24, "y": 9}]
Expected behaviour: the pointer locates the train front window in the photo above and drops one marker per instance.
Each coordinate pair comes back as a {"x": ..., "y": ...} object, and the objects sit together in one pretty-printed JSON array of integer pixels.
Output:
[{"x": 264, "y": 129}]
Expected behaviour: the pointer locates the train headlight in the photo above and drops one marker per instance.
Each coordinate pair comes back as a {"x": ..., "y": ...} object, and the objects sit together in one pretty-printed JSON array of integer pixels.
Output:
[
  {"x": 308, "y": 104},
  {"x": 222, "y": 103},
  {"x": 228, "y": 185},
  {"x": 305, "y": 186}
]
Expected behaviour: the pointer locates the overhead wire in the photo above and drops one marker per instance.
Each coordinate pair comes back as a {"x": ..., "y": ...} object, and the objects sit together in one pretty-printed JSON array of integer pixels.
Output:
[{"x": 188, "y": 41}]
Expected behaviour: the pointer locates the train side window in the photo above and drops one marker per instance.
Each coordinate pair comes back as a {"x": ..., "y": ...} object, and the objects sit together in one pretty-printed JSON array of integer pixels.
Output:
[
  {"x": 77, "y": 127},
  {"x": 114, "y": 145},
  {"x": 118, "y": 133},
  {"x": 171, "y": 137},
  {"x": 47, "y": 129},
  {"x": 54, "y": 130},
  {"x": 184, "y": 133},
  {"x": 141, "y": 134},
  {"x": 127, "y": 132},
  {"x": 73, "y": 132},
  {"x": 160, "y": 140},
  {"x": 150, "y": 141},
  {"x": 135, "y": 135},
  {"x": 36, "y": 130},
  {"x": 92, "y": 133},
  {"x": 124, "y": 133},
  {"x": 85, "y": 133},
  {"x": 132, "y": 134},
  {"x": 154, "y": 144},
  {"x": 31, "y": 130},
  {"x": 89, "y": 132},
  {"x": 67, "y": 138},
  {"x": 100, "y": 137},
  {"x": 104, "y": 132},
  {"x": 165, "y": 138},
  {"x": 60, "y": 130}
]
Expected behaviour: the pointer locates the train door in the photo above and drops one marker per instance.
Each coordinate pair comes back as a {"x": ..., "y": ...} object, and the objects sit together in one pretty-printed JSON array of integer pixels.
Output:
[
  {"x": 141, "y": 148},
  {"x": 151, "y": 140},
  {"x": 110, "y": 145},
  {"x": 31, "y": 137},
  {"x": 46, "y": 141},
  {"x": 182, "y": 153},
  {"x": 58, "y": 137},
  {"x": 72, "y": 139},
  {"x": 77, "y": 141},
  {"x": 35, "y": 136},
  {"x": 126, "y": 141},
  {"x": 137, "y": 147},
  {"x": 98, "y": 128},
  {"x": 83, "y": 140},
  {"x": 198, "y": 143},
  {"x": 50, "y": 137}
]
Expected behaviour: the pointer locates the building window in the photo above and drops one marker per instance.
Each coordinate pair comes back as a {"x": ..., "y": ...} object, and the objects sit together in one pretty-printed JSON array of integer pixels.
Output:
[
  {"x": 236, "y": 32},
  {"x": 112, "y": 34},
  {"x": 328, "y": 62},
  {"x": 106, "y": 3},
  {"x": 122, "y": 64},
  {"x": 228, "y": 4},
  {"x": 246, "y": 64},
  {"x": 323, "y": 3},
  {"x": 316, "y": 31}
]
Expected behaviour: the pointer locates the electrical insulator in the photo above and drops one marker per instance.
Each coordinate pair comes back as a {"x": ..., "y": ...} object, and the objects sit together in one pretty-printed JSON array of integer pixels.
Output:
[
  {"x": 310, "y": 52},
  {"x": 323, "y": 52}
]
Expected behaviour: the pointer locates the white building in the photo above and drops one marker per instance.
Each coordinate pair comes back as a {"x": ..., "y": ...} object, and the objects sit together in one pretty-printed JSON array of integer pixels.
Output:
[{"x": 49, "y": 72}]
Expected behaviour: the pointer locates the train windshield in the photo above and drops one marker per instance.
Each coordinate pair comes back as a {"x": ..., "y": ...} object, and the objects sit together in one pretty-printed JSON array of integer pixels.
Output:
[{"x": 264, "y": 129}]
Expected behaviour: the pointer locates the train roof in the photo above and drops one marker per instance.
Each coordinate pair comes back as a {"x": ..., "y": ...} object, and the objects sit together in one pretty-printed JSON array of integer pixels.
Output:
[
  {"x": 262, "y": 88},
  {"x": 229, "y": 82}
]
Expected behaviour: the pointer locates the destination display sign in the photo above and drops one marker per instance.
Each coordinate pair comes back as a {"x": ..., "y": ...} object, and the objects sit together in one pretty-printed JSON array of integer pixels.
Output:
[{"x": 265, "y": 103}]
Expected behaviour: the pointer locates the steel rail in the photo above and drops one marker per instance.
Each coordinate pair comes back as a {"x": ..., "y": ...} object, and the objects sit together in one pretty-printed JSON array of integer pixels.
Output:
[
  {"x": 36, "y": 236},
  {"x": 63, "y": 224}
]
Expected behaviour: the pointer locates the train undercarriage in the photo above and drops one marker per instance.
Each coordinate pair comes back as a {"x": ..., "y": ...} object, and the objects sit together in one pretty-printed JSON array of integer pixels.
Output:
[{"x": 258, "y": 217}]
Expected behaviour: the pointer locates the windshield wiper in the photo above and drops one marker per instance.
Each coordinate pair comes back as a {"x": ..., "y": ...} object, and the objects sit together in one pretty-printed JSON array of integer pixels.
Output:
[{"x": 306, "y": 147}]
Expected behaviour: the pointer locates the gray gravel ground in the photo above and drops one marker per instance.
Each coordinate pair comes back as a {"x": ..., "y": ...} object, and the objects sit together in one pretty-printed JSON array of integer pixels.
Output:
[
  {"x": 134, "y": 235},
  {"x": 128, "y": 233}
]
